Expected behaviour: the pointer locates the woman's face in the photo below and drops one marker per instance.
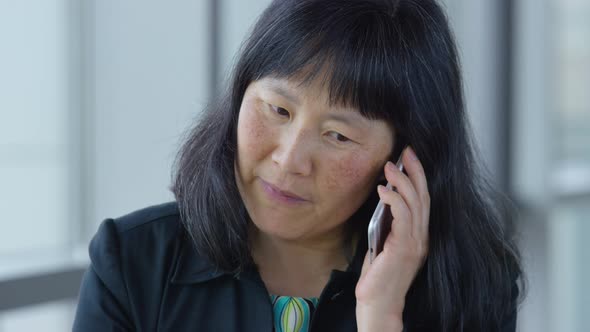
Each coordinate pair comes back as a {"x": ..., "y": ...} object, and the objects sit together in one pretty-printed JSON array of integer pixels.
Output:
[{"x": 303, "y": 167}]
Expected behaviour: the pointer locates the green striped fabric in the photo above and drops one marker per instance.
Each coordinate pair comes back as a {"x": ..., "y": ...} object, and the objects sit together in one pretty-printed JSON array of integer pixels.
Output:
[{"x": 292, "y": 314}]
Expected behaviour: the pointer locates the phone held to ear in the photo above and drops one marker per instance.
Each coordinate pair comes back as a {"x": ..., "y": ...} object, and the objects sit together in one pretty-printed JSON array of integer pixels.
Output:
[{"x": 380, "y": 224}]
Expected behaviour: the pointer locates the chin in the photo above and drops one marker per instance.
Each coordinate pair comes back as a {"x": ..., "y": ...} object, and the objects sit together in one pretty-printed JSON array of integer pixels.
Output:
[{"x": 280, "y": 230}]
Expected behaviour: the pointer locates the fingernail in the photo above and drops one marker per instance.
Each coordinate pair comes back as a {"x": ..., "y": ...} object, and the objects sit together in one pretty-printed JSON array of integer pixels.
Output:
[
  {"x": 381, "y": 188},
  {"x": 411, "y": 153},
  {"x": 390, "y": 165}
]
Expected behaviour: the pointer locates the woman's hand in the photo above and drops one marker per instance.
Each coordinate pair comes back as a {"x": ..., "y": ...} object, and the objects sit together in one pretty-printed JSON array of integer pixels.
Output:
[{"x": 382, "y": 287}]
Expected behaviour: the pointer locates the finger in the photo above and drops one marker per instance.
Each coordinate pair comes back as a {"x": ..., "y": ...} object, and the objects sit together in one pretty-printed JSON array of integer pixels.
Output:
[
  {"x": 420, "y": 183},
  {"x": 366, "y": 264},
  {"x": 406, "y": 189},
  {"x": 402, "y": 218}
]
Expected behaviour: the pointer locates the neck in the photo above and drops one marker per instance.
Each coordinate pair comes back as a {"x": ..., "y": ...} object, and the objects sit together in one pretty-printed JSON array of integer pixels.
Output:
[{"x": 297, "y": 267}]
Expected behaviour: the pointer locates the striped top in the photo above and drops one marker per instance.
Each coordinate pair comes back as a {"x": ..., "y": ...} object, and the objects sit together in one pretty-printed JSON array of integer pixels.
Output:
[{"x": 292, "y": 314}]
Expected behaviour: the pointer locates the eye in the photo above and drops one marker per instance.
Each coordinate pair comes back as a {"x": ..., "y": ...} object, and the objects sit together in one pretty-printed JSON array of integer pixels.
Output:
[
  {"x": 339, "y": 137},
  {"x": 280, "y": 111}
]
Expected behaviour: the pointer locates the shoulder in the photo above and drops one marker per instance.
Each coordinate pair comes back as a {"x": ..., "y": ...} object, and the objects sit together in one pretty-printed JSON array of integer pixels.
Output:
[
  {"x": 137, "y": 255},
  {"x": 149, "y": 246},
  {"x": 139, "y": 248},
  {"x": 159, "y": 221},
  {"x": 154, "y": 227},
  {"x": 136, "y": 236},
  {"x": 166, "y": 214},
  {"x": 133, "y": 258},
  {"x": 140, "y": 235}
]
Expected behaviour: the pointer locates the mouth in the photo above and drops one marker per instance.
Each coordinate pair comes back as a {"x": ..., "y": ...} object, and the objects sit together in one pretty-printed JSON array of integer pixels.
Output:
[{"x": 278, "y": 194}]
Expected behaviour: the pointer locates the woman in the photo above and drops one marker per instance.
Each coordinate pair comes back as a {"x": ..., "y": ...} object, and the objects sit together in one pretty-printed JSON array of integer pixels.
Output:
[{"x": 277, "y": 182}]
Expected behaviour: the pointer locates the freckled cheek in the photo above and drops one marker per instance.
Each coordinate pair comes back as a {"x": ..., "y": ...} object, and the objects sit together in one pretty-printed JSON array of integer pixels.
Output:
[
  {"x": 351, "y": 174},
  {"x": 253, "y": 134}
]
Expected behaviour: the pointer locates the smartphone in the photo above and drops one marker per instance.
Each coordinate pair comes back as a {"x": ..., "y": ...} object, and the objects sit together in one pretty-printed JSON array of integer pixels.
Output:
[{"x": 380, "y": 224}]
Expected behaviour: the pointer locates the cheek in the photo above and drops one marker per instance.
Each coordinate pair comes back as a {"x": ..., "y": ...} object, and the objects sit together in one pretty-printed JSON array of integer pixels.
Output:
[
  {"x": 252, "y": 133},
  {"x": 350, "y": 174}
]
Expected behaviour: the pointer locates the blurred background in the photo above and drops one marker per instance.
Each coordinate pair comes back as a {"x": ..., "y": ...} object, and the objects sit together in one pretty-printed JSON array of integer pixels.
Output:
[{"x": 95, "y": 96}]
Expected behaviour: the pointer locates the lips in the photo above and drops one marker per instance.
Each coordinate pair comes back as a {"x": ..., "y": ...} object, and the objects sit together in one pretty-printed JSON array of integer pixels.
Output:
[{"x": 280, "y": 193}]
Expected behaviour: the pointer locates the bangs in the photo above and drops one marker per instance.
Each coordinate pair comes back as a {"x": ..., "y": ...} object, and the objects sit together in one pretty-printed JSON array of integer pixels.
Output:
[{"x": 352, "y": 51}]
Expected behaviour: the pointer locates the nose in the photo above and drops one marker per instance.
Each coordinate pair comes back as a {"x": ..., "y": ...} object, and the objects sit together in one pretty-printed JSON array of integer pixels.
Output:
[{"x": 293, "y": 153}]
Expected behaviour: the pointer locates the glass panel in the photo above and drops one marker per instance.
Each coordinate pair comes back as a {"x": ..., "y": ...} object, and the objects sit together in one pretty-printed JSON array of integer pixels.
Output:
[
  {"x": 572, "y": 70},
  {"x": 32, "y": 200},
  {"x": 34, "y": 106},
  {"x": 569, "y": 249}
]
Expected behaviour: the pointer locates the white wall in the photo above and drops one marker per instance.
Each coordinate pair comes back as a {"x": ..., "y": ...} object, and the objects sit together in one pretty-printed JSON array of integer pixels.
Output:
[
  {"x": 34, "y": 148},
  {"x": 147, "y": 77},
  {"x": 475, "y": 24},
  {"x": 237, "y": 18}
]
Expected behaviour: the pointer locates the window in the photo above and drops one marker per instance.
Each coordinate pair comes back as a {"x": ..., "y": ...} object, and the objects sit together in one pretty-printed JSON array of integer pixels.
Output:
[
  {"x": 35, "y": 150},
  {"x": 569, "y": 223},
  {"x": 94, "y": 98},
  {"x": 551, "y": 160}
]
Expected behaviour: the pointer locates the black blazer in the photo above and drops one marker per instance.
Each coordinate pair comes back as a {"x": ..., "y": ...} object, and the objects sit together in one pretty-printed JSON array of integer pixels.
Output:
[{"x": 146, "y": 276}]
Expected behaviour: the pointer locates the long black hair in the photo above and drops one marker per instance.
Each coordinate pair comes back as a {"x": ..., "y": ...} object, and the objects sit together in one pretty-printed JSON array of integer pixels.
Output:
[{"x": 395, "y": 61}]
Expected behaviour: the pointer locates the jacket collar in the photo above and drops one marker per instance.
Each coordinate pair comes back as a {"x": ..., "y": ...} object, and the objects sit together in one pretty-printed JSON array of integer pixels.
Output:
[{"x": 191, "y": 268}]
